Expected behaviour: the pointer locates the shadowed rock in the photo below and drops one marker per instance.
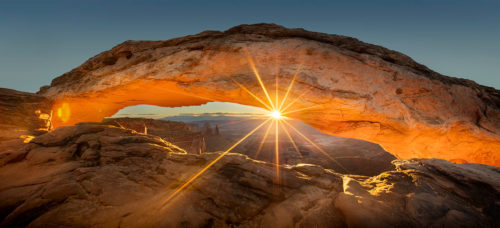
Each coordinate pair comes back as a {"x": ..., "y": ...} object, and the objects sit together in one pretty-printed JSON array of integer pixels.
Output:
[
  {"x": 23, "y": 113},
  {"x": 94, "y": 175}
]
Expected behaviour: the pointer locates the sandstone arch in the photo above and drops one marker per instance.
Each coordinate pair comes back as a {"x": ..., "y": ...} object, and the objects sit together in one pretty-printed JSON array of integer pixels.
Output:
[{"x": 364, "y": 91}]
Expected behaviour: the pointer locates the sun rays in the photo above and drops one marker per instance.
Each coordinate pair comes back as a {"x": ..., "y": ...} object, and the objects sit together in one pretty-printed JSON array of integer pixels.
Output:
[{"x": 276, "y": 116}]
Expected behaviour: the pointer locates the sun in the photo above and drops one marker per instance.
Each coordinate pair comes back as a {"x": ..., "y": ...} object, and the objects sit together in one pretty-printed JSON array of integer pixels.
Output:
[{"x": 276, "y": 114}]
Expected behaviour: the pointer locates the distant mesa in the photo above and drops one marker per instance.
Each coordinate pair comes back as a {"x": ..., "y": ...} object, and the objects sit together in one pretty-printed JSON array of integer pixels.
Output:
[{"x": 181, "y": 134}]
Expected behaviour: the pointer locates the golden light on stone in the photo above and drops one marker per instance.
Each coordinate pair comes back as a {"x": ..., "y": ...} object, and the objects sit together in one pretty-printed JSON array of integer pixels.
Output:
[
  {"x": 276, "y": 112},
  {"x": 27, "y": 138},
  {"x": 64, "y": 112}
]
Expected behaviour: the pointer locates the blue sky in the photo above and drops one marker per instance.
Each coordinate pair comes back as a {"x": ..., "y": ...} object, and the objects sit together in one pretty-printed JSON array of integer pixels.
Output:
[{"x": 40, "y": 40}]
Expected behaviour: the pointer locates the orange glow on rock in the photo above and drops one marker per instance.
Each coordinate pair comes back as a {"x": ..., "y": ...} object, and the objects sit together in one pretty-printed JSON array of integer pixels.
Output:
[
  {"x": 27, "y": 138},
  {"x": 64, "y": 112},
  {"x": 420, "y": 141},
  {"x": 96, "y": 106},
  {"x": 378, "y": 116}
]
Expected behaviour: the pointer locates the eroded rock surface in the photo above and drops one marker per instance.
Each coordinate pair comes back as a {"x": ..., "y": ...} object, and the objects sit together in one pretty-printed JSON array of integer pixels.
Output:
[
  {"x": 423, "y": 193},
  {"x": 23, "y": 113},
  {"x": 94, "y": 175},
  {"x": 356, "y": 90}
]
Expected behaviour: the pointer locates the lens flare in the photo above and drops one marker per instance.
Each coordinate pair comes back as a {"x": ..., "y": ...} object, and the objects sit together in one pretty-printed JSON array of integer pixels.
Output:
[
  {"x": 64, "y": 112},
  {"x": 277, "y": 112},
  {"x": 167, "y": 200}
]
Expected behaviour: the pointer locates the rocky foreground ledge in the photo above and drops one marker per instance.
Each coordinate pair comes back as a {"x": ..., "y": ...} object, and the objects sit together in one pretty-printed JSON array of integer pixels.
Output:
[{"x": 95, "y": 175}]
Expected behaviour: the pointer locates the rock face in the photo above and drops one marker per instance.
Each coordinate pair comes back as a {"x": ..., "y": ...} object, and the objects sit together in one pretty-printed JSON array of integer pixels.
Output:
[
  {"x": 354, "y": 156},
  {"x": 94, "y": 175},
  {"x": 350, "y": 156},
  {"x": 355, "y": 90},
  {"x": 178, "y": 133},
  {"x": 23, "y": 113},
  {"x": 423, "y": 193}
]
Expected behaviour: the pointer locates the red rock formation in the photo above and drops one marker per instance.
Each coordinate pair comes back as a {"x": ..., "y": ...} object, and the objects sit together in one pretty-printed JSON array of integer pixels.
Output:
[
  {"x": 23, "y": 114},
  {"x": 358, "y": 90}
]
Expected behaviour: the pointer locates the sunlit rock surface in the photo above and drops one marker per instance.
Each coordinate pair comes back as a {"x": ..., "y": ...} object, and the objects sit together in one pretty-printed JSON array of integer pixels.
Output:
[
  {"x": 23, "y": 114},
  {"x": 93, "y": 175},
  {"x": 356, "y": 90},
  {"x": 423, "y": 193}
]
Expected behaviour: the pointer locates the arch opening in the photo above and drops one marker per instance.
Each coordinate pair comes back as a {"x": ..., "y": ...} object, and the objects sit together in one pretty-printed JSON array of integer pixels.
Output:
[
  {"x": 346, "y": 87},
  {"x": 216, "y": 126}
]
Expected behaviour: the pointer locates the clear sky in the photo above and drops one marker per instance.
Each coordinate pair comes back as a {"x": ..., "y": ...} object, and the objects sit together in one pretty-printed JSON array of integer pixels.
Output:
[
  {"x": 40, "y": 40},
  {"x": 222, "y": 108}
]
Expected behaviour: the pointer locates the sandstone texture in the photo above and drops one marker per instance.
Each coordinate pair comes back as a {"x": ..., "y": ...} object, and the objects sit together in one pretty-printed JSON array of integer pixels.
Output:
[
  {"x": 97, "y": 175},
  {"x": 355, "y": 89},
  {"x": 23, "y": 114}
]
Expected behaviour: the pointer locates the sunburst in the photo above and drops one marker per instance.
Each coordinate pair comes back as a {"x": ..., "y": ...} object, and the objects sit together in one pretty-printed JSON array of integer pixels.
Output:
[{"x": 276, "y": 117}]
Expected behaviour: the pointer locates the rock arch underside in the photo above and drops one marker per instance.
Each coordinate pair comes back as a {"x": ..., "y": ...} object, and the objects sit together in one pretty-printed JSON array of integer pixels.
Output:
[{"x": 355, "y": 89}]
